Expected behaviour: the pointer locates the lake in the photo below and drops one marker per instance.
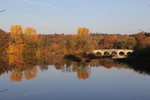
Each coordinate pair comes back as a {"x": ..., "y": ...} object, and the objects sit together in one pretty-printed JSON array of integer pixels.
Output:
[{"x": 64, "y": 80}]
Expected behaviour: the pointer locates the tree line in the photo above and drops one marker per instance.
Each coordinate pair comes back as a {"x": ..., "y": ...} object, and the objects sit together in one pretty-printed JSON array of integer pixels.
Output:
[{"x": 28, "y": 42}]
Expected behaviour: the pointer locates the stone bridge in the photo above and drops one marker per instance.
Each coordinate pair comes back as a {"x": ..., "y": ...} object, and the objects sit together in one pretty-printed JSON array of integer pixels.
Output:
[{"x": 116, "y": 53}]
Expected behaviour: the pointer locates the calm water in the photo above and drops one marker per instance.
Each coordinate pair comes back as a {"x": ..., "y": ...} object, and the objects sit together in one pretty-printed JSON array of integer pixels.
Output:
[{"x": 73, "y": 81}]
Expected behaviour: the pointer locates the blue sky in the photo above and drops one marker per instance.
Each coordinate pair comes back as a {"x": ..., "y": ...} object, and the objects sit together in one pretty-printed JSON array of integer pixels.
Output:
[{"x": 66, "y": 16}]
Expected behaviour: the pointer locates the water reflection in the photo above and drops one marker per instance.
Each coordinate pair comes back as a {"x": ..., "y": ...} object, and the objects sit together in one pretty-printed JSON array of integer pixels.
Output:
[
  {"x": 26, "y": 67},
  {"x": 20, "y": 67}
]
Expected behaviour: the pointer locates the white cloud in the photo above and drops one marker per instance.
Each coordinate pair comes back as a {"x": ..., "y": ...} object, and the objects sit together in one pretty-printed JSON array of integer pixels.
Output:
[{"x": 40, "y": 3}]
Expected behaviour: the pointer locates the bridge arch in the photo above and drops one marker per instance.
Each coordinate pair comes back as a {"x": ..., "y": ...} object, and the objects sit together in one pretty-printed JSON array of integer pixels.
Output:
[
  {"x": 121, "y": 53},
  {"x": 99, "y": 53},
  {"x": 113, "y": 53},
  {"x": 129, "y": 53},
  {"x": 106, "y": 53}
]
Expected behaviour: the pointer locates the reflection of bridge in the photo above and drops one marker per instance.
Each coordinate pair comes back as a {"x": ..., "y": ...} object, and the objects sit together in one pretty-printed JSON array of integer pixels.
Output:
[{"x": 116, "y": 53}]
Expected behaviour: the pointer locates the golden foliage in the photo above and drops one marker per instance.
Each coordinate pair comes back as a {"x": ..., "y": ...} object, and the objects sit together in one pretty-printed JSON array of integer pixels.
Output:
[
  {"x": 30, "y": 34},
  {"x": 17, "y": 61},
  {"x": 82, "y": 31},
  {"x": 16, "y": 76},
  {"x": 16, "y": 29},
  {"x": 30, "y": 31},
  {"x": 16, "y": 40},
  {"x": 31, "y": 73}
]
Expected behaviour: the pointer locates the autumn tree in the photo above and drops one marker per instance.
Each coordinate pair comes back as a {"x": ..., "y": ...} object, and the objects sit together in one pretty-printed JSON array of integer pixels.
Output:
[
  {"x": 131, "y": 43},
  {"x": 139, "y": 38},
  {"x": 4, "y": 40},
  {"x": 30, "y": 39},
  {"x": 125, "y": 42},
  {"x": 30, "y": 35},
  {"x": 43, "y": 42},
  {"x": 109, "y": 41},
  {"x": 145, "y": 43},
  {"x": 16, "y": 39},
  {"x": 66, "y": 44},
  {"x": 83, "y": 40}
]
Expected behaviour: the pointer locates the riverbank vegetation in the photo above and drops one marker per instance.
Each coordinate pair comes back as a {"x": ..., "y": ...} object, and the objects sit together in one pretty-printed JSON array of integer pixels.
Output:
[{"x": 27, "y": 42}]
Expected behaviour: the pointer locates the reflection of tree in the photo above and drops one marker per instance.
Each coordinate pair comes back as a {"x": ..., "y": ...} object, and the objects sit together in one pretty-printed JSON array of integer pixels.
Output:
[
  {"x": 30, "y": 73},
  {"x": 141, "y": 68},
  {"x": 44, "y": 61},
  {"x": 17, "y": 63},
  {"x": 4, "y": 67},
  {"x": 58, "y": 63},
  {"x": 26, "y": 66},
  {"x": 43, "y": 67},
  {"x": 107, "y": 63},
  {"x": 83, "y": 73},
  {"x": 22, "y": 65},
  {"x": 16, "y": 76},
  {"x": 66, "y": 67},
  {"x": 82, "y": 69}
]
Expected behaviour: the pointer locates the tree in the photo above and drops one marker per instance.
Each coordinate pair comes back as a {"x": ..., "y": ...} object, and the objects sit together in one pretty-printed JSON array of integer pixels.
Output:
[
  {"x": 83, "y": 40},
  {"x": 109, "y": 41},
  {"x": 83, "y": 32},
  {"x": 131, "y": 43},
  {"x": 30, "y": 38},
  {"x": 145, "y": 43},
  {"x": 139, "y": 37},
  {"x": 16, "y": 37},
  {"x": 4, "y": 40},
  {"x": 30, "y": 35}
]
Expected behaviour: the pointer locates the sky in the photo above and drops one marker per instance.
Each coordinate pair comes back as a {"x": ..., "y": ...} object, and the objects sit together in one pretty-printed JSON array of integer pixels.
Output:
[{"x": 66, "y": 16}]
